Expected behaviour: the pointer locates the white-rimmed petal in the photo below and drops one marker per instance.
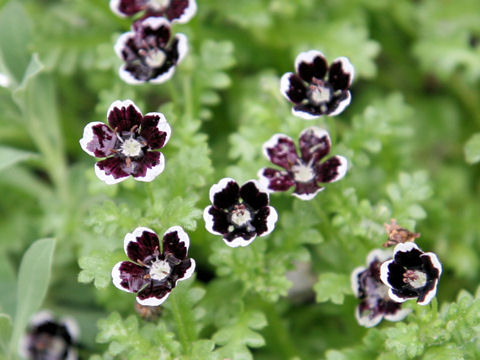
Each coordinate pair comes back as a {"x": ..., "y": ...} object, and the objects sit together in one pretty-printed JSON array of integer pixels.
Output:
[
  {"x": 384, "y": 272},
  {"x": 41, "y": 317},
  {"x": 4, "y": 80},
  {"x": 305, "y": 115},
  {"x": 354, "y": 280},
  {"x": 306, "y": 197},
  {"x": 72, "y": 354},
  {"x": 347, "y": 67},
  {"x": 398, "y": 298},
  {"x": 154, "y": 171},
  {"x": 239, "y": 241},
  {"x": 189, "y": 12},
  {"x": 132, "y": 237},
  {"x": 121, "y": 43},
  {"x": 163, "y": 125},
  {"x": 380, "y": 255},
  {"x": 366, "y": 320},
  {"x": 263, "y": 180},
  {"x": 438, "y": 266},
  {"x": 285, "y": 84},
  {"x": 128, "y": 77},
  {"x": 161, "y": 78},
  {"x": 405, "y": 247},
  {"x": 271, "y": 220},
  {"x": 209, "y": 221},
  {"x": 108, "y": 179},
  {"x": 182, "y": 46},
  {"x": 435, "y": 262},
  {"x": 155, "y": 22},
  {"x": 307, "y": 57},
  {"x": 220, "y": 186},
  {"x": 88, "y": 136},
  {"x": 189, "y": 271},
  {"x": 342, "y": 105},
  {"x": 182, "y": 235},
  {"x": 319, "y": 134},
  {"x": 115, "y": 7},
  {"x": 119, "y": 104},
  {"x": 341, "y": 169},
  {"x": 153, "y": 301},
  {"x": 72, "y": 327},
  {"x": 399, "y": 315},
  {"x": 430, "y": 294},
  {"x": 273, "y": 142},
  {"x": 116, "y": 279}
]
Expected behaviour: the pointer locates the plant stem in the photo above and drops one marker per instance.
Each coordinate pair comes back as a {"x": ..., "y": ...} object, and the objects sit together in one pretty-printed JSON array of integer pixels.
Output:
[{"x": 185, "y": 336}]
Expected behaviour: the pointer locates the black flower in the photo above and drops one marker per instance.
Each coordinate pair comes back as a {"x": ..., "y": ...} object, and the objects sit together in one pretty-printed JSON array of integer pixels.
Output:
[
  {"x": 306, "y": 171},
  {"x": 239, "y": 214},
  {"x": 153, "y": 271},
  {"x": 49, "y": 339},
  {"x": 149, "y": 53},
  {"x": 179, "y": 11},
  {"x": 317, "y": 89},
  {"x": 411, "y": 274},
  {"x": 375, "y": 303},
  {"x": 128, "y": 143}
]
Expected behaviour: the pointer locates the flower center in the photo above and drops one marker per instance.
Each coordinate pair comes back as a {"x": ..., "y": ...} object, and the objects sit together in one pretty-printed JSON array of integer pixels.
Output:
[
  {"x": 131, "y": 147},
  {"x": 240, "y": 215},
  {"x": 303, "y": 173},
  {"x": 158, "y": 4},
  {"x": 155, "y": 58},
  {"x": 416, "y": 279},
  {"x": 159, "y": 270},
  {"x": 319, "y": 92}
]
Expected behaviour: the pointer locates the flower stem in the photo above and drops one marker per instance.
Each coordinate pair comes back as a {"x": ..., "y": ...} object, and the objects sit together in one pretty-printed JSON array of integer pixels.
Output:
[
  {"x": 185, "y": 334},
  {"x": 331, "y": 129}
]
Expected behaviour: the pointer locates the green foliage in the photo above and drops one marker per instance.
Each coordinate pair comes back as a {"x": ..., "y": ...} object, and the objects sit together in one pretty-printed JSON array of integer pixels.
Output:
[
  {"x": 472, "y": 149},
  {"x": 333, "y": 287}
]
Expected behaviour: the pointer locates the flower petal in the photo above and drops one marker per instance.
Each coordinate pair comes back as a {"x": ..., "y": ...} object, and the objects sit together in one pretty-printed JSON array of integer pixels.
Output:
[
  {"x": 293, "y": 88},
  {"x": 254, "y": 194},
  {"x": 398, "y": 315},
  {"x": 340, "y": 74},
  {"x": 112, "y": 170},
  {"x": 314, "y": 142},
  {"x": 433, "y": 269},
  {"x": 408, "y": 254},
  {"x": 239, "y": 241},
  {"x": 149, "y": 166},
  {"x": 184, "y": 270},
  {"x": 127, "y": 7},
  {"x": 355, "y": 281},
  {"x": 275, "y": 180},
  {"x": 180, "y": 11},
  {"x": 308, "y": 111},
  {"x": 98, "y": 139},
  {"x": 155, "y": 293},
  {"x": 340, "y": 103},
  {"x": 124, "y": 115},
  {"x": 264, "y": 221},
  {"x": 141, "y": 245},
  {"x": 332, "y": 170},
  {"x": 155, "y": 130},
  {"x": 311, "y": 64},
  {"x": 366, "y": 317},
  {"x": 307, "y": 191},
  {"x": 281, "y": 151},
  {"x": 129, "y": 277},
  {"x": 158, "y": 28},
  {"x": 216, "y": 221},
  {"x": 224, "y": 194},
  {"x": 176, "y": 242}
]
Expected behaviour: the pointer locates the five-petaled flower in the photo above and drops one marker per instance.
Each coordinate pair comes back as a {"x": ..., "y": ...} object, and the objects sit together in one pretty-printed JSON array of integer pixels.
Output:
[
  {"x": 375, "y": 303},
  {"x": 179, "y": 11},
  {"x": 306, "y": 171},
  {"x": 154, "y": 271},
  {"x": 239, "y": 214},
  {"x": 128, "y": 143},
  {"x": 49, "y": 338},
  {"x": 411, "y": 274},
  {"x": 312, "y": 92},
  {"x": 149, "y": 53}
]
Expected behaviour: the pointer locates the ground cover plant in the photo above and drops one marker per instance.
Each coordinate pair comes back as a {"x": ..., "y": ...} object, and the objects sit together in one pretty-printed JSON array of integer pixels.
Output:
[{"x": 265, "y": 179}]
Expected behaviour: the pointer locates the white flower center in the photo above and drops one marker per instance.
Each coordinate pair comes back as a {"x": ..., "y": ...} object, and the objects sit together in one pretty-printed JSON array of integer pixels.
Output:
[
  {"x": 302, "y": 173},
  {"x": 131, "y": 147},
  {"x": 320, "y": 94},
  {"x": 158, "y": 4},
  {"x": 159, "y": 270},
  {"x": 155, "y": 58},
  {"x": 415, "y": 278},
  {"x": 240, "y": 215}
]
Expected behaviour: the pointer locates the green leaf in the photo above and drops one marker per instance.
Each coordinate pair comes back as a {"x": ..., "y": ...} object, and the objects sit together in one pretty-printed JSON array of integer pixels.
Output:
[
  {"x": 97, "y": 267},
  {"x": 15, "y": 37},
  {"x": 5, "y": 331},
  {"x": 472, "y": 149},
  {"x": 33, "y": 280},
  {"x": 333, "y": 287},
  {"x": 10, "y": 156}
]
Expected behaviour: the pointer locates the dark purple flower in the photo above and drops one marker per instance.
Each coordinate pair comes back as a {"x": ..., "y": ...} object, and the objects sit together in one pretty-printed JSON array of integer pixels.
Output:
[
  {"x": 149, "y": 53},
  {"x": 411, "y": 274},
  {"x": 127, "y": 144},
  {"x": 179, "y": 11},
  {"x": 375, "y": 303},
  {"x": 49, "y": 339},
  {"x": 317, "y": 89},
  {"x": 239, "y": 214},
  {"x": 306, "y": 171},
  {"x": 154, "y": 271}
]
